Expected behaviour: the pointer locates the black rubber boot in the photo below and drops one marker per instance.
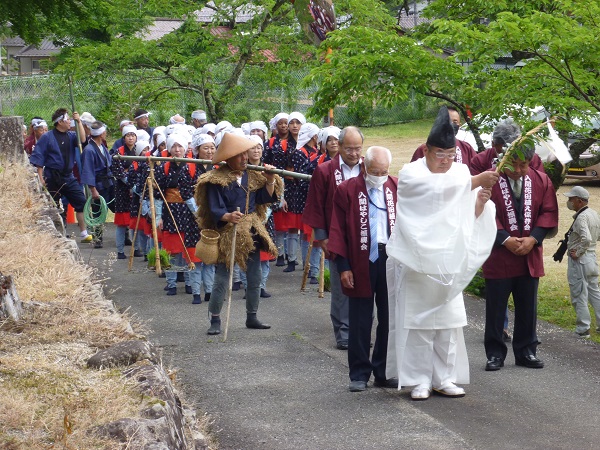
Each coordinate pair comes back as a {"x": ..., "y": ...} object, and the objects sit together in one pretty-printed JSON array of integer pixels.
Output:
[
  {"x": 253, "y": 322},
  {"x": 215, "y": 326}
]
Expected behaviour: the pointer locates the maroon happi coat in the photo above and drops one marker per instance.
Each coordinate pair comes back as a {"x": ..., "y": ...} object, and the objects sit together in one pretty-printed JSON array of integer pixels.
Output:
[
  {"x": 539, "y": 209},
  {"x": 319, "y": 203},
  {"x": 464, "y": 156},
  {"x": 349, "y": 234}
]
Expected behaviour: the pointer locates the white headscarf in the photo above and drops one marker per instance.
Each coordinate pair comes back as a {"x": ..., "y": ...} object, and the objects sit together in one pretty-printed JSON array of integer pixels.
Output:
[
  {"x": 223, "y": 126},
  {"x": 257, "y": 139},
  {"x": 246, "y": 128},
  {"x": 43, "y": 123},
  {"x": 327, "y": 132},
  {"x": 176, "y": 119},
  {"x": 142, "y": 135},
  {"x": 298, "y": 116},
  {"x": 259, "y": 125},
  {"x": 140, "y": 146},
  {"x": 160, "y": 138},
  {"x": 208, "y": 127},
  {"x": 277, "y": 118},
  {"x": 129, "y": 129},
  {"x": 199, "y": 114},
  {"x": 200, "y": 139},
  {"x": 176, "y": 138},
  {"x": 307, "y": 132},
  {"x": 159, "y": 130}
]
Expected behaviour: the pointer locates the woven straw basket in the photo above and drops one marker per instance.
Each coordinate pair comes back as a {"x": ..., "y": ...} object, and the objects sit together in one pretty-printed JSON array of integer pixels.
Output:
[{"x": 207, "y": 248}]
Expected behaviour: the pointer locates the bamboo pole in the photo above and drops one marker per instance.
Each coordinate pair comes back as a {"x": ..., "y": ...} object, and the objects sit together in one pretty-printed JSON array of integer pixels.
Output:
[
  {"x": 230, "y": 286},
  {"x": 322, "y": 275},
  {"x": 137, "y": 225},
  {"x": 281, "y": 172},
  {"x": 307, "y": 262},
  {"x": 153, "y": 213}
]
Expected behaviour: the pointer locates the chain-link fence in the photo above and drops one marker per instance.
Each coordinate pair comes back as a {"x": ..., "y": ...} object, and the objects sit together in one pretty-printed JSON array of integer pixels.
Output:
[{"x": 254, "y": 98}]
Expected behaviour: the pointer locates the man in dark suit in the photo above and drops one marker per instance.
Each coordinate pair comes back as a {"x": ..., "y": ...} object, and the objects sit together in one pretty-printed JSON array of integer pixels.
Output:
[{"x": 364, "y": 215}]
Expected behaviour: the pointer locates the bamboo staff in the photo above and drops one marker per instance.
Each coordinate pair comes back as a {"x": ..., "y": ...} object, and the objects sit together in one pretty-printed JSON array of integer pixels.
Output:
[
  {"x": 281, "y": 172},
  {"x": 322, "y": 275},
  {"x": 137, "y": 224},
  {"x": 515, "y": 144},
  {"x": 307, "y": 262},
  {"x": 230, "y": 287},
  {"x": 154, "y": 232}
]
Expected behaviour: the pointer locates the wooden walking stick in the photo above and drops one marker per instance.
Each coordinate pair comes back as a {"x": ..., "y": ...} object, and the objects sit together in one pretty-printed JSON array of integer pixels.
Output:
[
  {"x": 322, "y": 275},
  {"x": 153, "y": 214},
  {"x": 230, "y": 287},
  {"x": 137, "y": 224},
  {"x": 307, "y": 262}
]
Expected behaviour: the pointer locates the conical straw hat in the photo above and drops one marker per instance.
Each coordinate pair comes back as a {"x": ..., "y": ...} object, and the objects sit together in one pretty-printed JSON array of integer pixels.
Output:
[{"x": 230, "y": 146}]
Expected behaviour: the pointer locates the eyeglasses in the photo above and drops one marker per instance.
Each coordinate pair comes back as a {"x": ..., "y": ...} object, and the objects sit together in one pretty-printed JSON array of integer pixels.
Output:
[
  {"x": 440, "y": 155},
  {"x": 353, "y": 149}
]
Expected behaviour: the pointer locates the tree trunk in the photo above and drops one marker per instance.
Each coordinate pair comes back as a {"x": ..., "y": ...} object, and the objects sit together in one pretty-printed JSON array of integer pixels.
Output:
[{"x": 11, "y": 306}]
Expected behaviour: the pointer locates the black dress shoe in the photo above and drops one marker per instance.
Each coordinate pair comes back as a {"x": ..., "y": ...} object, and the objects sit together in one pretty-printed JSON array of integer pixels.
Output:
[
  {"x": 138, "y": 253},
  {"x": 342, "y": 346},
  {"x": 188, "y": 290},
  {"x": 313, "y": 280},
  {"x": 389, "y": 383},
  {"x": 494, "y": 363},
  {"x": 529, "y": 361},
  {"x": 357, "y": 386},
  {"x": 264, "y": 294}
]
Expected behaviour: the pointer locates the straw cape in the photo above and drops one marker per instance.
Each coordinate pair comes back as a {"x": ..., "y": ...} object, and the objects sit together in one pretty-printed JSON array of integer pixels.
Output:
[{"x": 250, "y": 225}]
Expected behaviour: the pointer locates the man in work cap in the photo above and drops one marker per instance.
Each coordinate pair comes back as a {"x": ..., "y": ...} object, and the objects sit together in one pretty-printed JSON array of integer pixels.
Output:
[
  {"x": 582, "y": 272},
  {"x": 233, "y": 195},
  {"x": 199, "y": 118}
]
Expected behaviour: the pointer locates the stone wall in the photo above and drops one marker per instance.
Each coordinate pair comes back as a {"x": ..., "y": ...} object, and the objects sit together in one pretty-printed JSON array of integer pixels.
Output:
[{"x": 11, "y": 138}]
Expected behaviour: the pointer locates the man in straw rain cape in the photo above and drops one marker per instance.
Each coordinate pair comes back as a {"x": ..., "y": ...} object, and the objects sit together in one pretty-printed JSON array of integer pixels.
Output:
[
  {"x": 219, "y": 193},
  {"x": 444, "y": 231}
]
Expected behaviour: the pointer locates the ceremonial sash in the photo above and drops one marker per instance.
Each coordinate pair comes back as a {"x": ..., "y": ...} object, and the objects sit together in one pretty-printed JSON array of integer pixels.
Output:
[{"x": 509, "y": 209}]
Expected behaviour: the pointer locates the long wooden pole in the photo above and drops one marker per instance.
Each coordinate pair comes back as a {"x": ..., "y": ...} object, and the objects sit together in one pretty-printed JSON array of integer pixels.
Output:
[
  {"x": 322, "y": 275},
  {"x": 137, "y": 224},
  {"x": 153, "y": 213},
  {"x": 307, "y": 262},
  {"x": 230, "y": 286},
  {"x": 283, "y": 173}
]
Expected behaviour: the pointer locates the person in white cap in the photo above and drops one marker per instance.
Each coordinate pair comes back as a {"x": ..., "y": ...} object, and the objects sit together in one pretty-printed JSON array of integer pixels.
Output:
[
  {"x": 119, "y": 142},
  {"x": 219, "y": 195},
  {"x": 39, "y": 128},
  {"x": 328, "y": 143},
  {"x": 296, "y": 194},
  {"x": 582, "y": 271},
  {"x": 208, "y": 128},
  {"x": 120, "y": 169},
  {"x": 97, "y": 175},
  {"x": 198, "y": 118},
  {"x": 275, "y": 154},
  {"x": 177, "y": 119},
  {"x": 176, "y": 219}
]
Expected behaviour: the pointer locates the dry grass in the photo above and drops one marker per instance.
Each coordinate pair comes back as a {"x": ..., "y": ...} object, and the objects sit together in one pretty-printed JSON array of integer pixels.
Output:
[{"x": 49, "y": 399}]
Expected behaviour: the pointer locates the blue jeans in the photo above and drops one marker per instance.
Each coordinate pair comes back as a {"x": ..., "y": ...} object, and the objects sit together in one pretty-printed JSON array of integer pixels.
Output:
[
  {"x": 315, "y": 259},
  {"x": 265, "y": 267},
  {"x": 171, "y": 275},
  {"x": 120, "y": 234},
  {"x": 221, "y": 286},
  {"x": 208, "y": 277}
]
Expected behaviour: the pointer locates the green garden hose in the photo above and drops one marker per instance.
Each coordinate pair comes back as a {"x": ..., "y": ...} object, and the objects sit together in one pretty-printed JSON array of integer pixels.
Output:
[{"x": 88, "y": 215}]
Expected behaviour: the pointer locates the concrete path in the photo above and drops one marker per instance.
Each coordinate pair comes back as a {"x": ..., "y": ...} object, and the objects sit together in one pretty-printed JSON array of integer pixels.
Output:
[{"x": 286, "y": 388}]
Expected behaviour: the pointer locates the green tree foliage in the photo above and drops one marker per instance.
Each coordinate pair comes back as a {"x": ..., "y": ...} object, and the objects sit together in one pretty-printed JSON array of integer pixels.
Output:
[
  {"x": 205, "y": 58},
  {"x": 451, "y": 59}
]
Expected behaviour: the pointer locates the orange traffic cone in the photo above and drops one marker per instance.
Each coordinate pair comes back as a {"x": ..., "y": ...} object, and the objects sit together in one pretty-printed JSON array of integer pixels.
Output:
[{"x": 70, "y": 214}]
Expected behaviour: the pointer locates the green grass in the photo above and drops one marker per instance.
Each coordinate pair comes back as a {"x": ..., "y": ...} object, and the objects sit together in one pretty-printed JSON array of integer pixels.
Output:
[{"x": 409, "y": 130}]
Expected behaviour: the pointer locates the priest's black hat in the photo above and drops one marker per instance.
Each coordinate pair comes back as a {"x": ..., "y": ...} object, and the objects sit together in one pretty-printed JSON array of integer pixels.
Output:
[{"x": 442, "y": 132}]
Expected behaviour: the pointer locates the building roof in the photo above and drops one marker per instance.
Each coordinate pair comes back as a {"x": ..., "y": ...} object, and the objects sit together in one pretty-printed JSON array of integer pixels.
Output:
[
  {"x": 13, "y": 42},
  {"x": 160, "y": 28},
  {"x": 45, "y": 49}
]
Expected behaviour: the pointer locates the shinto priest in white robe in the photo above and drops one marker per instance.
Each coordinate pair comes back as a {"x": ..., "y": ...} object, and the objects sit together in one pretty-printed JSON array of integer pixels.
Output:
[{"x": 434, "y": 251}]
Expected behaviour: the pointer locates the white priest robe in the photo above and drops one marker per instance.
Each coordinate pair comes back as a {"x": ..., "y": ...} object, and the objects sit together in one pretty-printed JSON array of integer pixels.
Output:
[{"x": 436, "y": 248}]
